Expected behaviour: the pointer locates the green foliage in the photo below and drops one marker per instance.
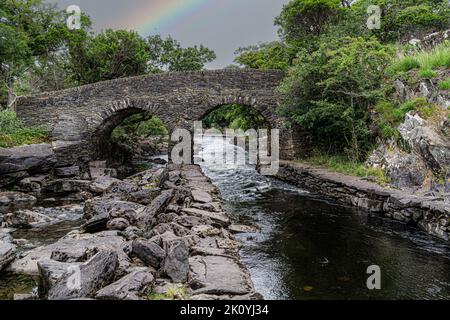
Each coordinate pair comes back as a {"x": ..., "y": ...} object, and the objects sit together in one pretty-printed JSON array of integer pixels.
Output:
[
  {"x": 445, "y": 84},
  {"x": 138, "y": 126},
  {"x": 342, "y": 164},
  {"x": 301, "y": 21},
  {"x": 329, "y": 93},
  {"x": 267, "y": 56},
  {"x": 403, "y": 18},
  {"x": 32, "y": 31},
  {"x": 235, "y": 117},
  {"x": 109, "y": 55},
  {"x": 14, "y": 133},
  {"x": 168, "y": 54}
]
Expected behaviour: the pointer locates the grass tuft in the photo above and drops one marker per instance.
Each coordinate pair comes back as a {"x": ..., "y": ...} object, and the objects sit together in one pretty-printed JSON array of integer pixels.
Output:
[{"x": 343, "y": 165}]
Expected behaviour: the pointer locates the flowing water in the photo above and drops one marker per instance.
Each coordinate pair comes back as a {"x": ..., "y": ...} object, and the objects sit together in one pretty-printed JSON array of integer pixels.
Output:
[{"x": 310, "y": 248}]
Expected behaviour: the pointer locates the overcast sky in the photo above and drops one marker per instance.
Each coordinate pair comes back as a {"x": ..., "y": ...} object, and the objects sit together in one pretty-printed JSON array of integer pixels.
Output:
[{"x": 222, "y": 25}]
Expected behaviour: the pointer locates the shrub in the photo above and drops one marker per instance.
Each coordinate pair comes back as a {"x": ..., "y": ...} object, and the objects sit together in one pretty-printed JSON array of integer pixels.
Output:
[
  {"x": 330, "y": 91},
  {"x": 14, "y": 133}
]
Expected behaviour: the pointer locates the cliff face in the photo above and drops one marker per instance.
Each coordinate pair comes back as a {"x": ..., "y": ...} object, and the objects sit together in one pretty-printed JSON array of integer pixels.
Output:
[{"x": 423, "y": 168}]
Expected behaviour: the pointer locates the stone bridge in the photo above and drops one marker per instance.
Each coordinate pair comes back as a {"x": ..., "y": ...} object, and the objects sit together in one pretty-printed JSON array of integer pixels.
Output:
[{"x": 81, "y": 119}]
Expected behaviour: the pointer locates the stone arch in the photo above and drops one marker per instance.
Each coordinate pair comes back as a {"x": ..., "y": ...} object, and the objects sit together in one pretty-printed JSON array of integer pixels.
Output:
[{"x": 77, "y": 116}]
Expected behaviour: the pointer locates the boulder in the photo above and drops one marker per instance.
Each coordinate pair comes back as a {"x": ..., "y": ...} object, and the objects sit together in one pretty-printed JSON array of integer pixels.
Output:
[
  {"x": 62, "y": 186},
  {"x": 7, "y": 254},
  {"x": 146, "y": 218},
  {"x": 36, "y": 158},
  {"x": 128, "y": 191},
  {"x": 129, "y": 287},
  {"x": 50, "y": 272},
  {"x": 72, "y": 248},
  {"x": 96, "y": 224},
  {"x": 27, "y": 219},
  {"x": 109, "y": 207},
  {"x": 176, "y": 262},
  {"x": 94, "y": 274},
  {"x": 12, "y": 178},
  {"x": 118, "y": 224},
  {"x": 102, "y": 184},
  {"x": 149, "y": 252},
  {"x": 67, "y": 172},
  {"x": 12, "y": 201},
  {"x": 219, "y": 276}
]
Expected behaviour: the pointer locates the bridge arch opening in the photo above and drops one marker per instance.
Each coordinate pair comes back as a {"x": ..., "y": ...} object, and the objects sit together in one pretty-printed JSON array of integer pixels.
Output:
[{"x": 130, "y": 138}]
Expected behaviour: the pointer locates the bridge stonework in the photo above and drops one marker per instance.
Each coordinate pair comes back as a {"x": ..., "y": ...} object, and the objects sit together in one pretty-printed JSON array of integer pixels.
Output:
[{"x": 81, "y": 119}]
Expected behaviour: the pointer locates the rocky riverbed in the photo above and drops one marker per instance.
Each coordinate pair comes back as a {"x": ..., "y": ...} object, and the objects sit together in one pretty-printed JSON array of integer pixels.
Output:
[{"x": 160, "y": 234}]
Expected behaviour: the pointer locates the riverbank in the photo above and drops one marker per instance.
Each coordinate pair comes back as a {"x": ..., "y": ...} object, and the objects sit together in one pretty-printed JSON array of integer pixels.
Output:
[
  {"x": 431, "y": 214},
  {"x": 160, "y": 234}
]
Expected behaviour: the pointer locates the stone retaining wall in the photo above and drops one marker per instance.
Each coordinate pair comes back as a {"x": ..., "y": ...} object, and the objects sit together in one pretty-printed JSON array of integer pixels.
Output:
[{"x": 431, "y": 214}]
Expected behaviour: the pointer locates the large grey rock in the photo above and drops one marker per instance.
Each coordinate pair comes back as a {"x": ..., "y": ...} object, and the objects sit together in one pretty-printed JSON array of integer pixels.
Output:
[
  {"x": 129, "y": 287},
  {"x": 432, "y": 145},
  {"x": 7, "y": 254},
  {"x": 110, "y": 207},
  {"x": 67, "y": 186},
  {"x": 218, "y": 275},
  {"x": 72, "y": 248},
  {"x": 176, "y": 262},
  {"x": 95, "y": 274},
  {"x": 149, "y": 252},
  {"x": 118, "y": 224},
  {"x": 50, "y": 272},
  {"x": 67, "y": 172},
  {"x": 36, "y": 158},
  {"x": 12, "y": 201},
  {"x": 146, "y": 219},
  {"x": 128, "y": 191},
  {"x": 102, "y": 184},
  {"x": 27, "y": 219},
  {"x": 8, "y": 179}
]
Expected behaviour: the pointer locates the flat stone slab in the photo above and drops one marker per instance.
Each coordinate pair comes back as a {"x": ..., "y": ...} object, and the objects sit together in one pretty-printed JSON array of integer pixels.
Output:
[
  {"x": 201, "y": 196},
  {"x": 219, "y": 276},
  {"x": 218, "y": 217}
]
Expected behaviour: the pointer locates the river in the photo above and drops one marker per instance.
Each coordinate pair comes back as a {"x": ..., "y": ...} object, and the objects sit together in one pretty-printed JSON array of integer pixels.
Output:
[{"x": 310, "y": 248}]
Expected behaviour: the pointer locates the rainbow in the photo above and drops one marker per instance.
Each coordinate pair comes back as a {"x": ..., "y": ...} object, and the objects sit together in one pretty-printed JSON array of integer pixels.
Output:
[{"x": 159, "y": 15}]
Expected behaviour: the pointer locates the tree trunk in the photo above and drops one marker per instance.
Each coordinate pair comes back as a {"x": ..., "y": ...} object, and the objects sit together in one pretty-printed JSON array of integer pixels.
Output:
[{"x": 11, "y": 102}]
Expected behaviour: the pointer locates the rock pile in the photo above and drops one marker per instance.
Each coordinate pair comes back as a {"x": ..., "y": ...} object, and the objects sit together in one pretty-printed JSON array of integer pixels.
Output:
[{"x": 153, "y": 234}]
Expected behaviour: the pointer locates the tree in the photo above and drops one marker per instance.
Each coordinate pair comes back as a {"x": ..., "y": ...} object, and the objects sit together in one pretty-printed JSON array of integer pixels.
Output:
[
  {"x": 330, "y": 93},
  {"x": 168, "y": 55},
  {"x": 274, "y": 55},
  {"x": 108, "y": 55},
  {"x": 29, "y": 30},
  {"x": 301, "y": 21}
]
